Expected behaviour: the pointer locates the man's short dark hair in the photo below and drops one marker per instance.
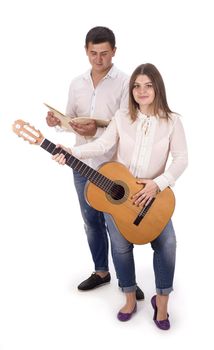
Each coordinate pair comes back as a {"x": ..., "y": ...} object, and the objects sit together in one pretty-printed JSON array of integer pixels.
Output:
[{"x": 98, "y": 35}]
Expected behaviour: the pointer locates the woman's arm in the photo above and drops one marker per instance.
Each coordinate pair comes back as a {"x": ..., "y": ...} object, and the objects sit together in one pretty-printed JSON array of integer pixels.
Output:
[
  {"x": 178, "y": 150},
  {"x": 92, "y": 149},
  {"x": 100, "y": 146}
]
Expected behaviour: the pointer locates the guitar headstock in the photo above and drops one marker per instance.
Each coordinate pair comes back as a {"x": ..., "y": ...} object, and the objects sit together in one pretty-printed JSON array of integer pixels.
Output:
[{"x": 27, "y": 132}]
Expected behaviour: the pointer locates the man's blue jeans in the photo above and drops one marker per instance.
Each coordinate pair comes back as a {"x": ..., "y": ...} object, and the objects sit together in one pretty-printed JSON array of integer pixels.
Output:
[{"x": 95, "y": 226}]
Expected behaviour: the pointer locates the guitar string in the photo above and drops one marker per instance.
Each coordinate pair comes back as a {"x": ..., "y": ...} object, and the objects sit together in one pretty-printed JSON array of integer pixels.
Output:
[
  {"x": 117, "y": 196},
  {"x": 128, "y": 204},
  {"x": 101, "y": 183},
  {"x": 105, "y": 187}
]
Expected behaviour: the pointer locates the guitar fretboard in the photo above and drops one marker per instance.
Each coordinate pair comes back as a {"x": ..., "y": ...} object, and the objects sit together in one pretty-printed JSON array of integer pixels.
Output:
[{"x": 83, "y": 169}]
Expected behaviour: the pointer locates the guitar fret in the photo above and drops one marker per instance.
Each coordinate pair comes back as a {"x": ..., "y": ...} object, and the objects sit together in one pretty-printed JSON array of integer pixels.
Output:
[
  {"x": 69, "y": 160},
  {"x": 85, "y": 171},
  {"x": 88, "y": 173},
  {"x": 109, "y": 186},
  {"x": 80, "y": 166},
  {"x": 105, "y": 183},
  {"x": 96, "y": 177},
  {"x": 102, "y": 183},
  {"x": 51, "y": 147},
  {"x": 92, "y": 175},
  {"x": 46, "y": 144},
  {"x": 74, "y": 163}
]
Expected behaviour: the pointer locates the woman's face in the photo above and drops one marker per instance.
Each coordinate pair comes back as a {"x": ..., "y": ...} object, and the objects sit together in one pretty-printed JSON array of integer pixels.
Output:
[{"x": 143, "y": 92}]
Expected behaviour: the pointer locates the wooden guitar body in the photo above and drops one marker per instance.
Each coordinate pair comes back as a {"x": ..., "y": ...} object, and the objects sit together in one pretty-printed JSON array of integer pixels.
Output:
[{"x": 124, "y": 212}]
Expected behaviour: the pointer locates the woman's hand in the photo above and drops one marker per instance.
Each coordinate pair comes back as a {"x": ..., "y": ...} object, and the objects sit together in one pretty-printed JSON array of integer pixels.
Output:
[
  {"x": 60, "y": 158},
  {"x": 144, "y": 196}
]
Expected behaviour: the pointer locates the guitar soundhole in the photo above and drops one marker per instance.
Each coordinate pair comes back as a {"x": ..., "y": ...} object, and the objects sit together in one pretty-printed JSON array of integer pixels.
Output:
[{"x": 117, "y": 192}]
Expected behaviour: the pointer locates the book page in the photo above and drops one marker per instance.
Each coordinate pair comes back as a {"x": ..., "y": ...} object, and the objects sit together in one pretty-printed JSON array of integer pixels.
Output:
[{"x": 65, "y": 119}]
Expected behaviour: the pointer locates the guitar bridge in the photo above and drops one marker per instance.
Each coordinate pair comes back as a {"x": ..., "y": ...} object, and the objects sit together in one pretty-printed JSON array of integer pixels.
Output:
[{"x": 142, "y": 213}]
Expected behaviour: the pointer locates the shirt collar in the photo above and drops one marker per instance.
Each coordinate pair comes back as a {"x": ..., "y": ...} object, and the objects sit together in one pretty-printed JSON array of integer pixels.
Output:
[
  {"x": 143, "y": 116},
  {"x": 112, "y": 73}
]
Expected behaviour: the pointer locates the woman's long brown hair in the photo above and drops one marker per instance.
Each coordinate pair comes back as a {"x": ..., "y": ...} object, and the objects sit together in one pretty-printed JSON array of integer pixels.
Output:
[{"x": 160, "y": 105}]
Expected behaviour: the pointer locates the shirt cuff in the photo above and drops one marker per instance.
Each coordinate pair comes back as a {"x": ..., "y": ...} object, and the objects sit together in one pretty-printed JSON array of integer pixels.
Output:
[
  {"x": 62, "y": 129},
  {"x": 99, "y": 132},
  {"x": 164, "y": 180}
]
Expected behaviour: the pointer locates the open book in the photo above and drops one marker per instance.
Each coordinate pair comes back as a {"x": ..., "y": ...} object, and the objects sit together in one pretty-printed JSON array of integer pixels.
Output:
[{"x": 65, "y": 119}]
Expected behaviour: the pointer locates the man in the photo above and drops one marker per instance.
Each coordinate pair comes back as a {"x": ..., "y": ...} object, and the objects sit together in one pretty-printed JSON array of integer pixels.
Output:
[{"x": 98, "y": 93}]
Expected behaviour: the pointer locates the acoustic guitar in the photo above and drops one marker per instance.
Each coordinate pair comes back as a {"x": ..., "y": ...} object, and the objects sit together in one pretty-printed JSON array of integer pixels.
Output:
[{"x": 110, "y": 189}]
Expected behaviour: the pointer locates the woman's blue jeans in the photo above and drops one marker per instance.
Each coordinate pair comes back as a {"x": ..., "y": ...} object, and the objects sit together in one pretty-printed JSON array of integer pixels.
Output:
[
  {"x": 95, "y": 226},
  {"x": 164, "y": 248}
]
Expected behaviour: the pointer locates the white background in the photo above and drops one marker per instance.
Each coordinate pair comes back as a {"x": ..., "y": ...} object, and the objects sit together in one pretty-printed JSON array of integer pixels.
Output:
[{"x": 43, "y": 249}]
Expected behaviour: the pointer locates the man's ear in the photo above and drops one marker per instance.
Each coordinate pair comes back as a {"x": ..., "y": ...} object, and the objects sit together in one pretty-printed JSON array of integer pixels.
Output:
[{"x": 114, "y": 51}]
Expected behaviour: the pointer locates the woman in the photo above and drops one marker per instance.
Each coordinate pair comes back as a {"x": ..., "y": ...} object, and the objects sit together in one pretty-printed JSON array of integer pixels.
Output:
[{"x": 145, "y": 136}]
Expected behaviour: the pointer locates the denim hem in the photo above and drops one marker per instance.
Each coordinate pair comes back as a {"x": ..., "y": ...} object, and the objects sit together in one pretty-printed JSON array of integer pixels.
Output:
[
  {"x": 164, "y": 291},
  {"x": 102, "y": 269},
  {"x": 129, "y": 289}
]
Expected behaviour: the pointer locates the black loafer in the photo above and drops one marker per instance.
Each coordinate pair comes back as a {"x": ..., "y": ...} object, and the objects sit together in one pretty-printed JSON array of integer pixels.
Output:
[
  {"x": 139, "y": 294},
  {"x": 94, "y": 281}
]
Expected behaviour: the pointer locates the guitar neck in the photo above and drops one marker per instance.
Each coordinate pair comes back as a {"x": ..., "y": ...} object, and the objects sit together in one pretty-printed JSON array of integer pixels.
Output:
[{"x": 83, "y": 169}]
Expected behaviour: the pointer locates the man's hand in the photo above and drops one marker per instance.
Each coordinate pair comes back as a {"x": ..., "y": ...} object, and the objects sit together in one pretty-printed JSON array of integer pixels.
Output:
[
  {"x": 52, "y": 120},
  {"x": 88, "y": 129},
  {"x": 144, "y": 196}
]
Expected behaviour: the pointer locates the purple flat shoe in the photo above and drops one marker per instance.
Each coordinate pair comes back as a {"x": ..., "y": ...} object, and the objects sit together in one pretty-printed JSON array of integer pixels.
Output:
[
  {"x": 122, "y": 316},
  {"x": 163, "y": 324}
]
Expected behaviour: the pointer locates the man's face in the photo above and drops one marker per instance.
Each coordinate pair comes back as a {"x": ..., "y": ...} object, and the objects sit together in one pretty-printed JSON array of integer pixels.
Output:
[{"x": 100, "y": 56}]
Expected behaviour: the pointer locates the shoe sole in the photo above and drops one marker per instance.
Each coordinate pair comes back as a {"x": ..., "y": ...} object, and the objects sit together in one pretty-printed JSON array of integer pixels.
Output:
[{"x": 88, "y": 289}]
